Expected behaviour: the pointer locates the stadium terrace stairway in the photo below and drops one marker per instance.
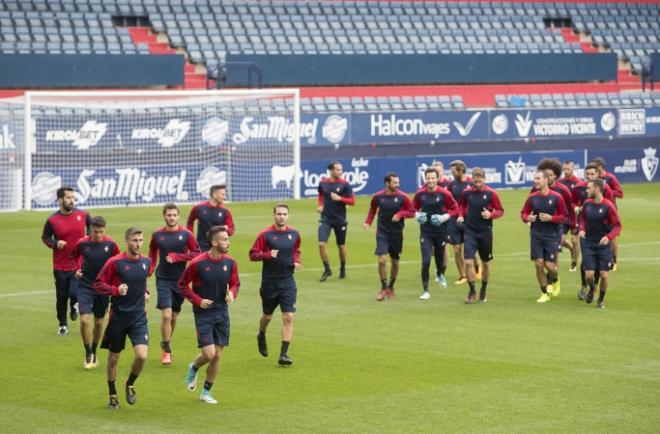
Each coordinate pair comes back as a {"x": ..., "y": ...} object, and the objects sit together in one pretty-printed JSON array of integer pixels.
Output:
[{"x": 158, "y": 44}]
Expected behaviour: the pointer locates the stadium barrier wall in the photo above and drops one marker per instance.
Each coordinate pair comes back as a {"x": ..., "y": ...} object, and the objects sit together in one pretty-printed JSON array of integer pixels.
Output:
[
  {"x": 634, "y": 131},
  {"x": 398, "y": 69},
  {"x": 177, "y": 132},
  {"x": 28, "y": 71},
  {"x": 143, "y": 185}
]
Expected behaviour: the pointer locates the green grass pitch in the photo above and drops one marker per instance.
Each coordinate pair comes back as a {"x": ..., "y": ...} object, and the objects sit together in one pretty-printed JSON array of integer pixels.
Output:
[{"x": 404, "y": 365}]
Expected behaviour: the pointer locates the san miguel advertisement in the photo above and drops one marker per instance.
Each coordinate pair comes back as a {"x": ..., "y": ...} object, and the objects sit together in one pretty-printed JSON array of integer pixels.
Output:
[{"x": 173, "y": 132}]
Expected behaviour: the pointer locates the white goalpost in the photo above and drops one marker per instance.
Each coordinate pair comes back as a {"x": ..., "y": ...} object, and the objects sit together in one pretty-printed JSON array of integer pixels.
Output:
[{"x": 132, "y": 148}]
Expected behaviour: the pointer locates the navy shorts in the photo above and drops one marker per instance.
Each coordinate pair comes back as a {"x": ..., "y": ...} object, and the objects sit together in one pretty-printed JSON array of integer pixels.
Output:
[
  {"x": 455, "y": 231},
  {"x": 90, "y": 301},
  {"x": 212, "y": 327},
  {"x": 283, "y": 294},
  {"x": 430, "y": 244},
  {"x": 478, "y": 241},
  {"x": 594, "y": 256},
  {"x": 565, "y": 229},
  {"x": 169, "y": 296},
  {"x": 389, "y": 244},
  {"x": 544, "y": 248},
  {"x": 120, "y": 325},
  {"x": 340, "y": 232}
]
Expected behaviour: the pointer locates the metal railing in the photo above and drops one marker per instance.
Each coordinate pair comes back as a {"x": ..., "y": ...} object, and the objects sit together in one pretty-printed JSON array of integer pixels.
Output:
[{"x": 221, "y": 71}]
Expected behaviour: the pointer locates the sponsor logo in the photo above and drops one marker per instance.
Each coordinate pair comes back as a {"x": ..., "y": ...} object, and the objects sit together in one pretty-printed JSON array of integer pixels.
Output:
[
  {"x": 356, "y": 177},
  {"x": 465, "y": 130},
  {"x": 649, "y": 163},
  {"x": 515, "y": 171},
  {"x": 632, "y": 121},
  {"x": 214, "y": 132},
  {"x": 608, "y": 122},
  {"x": 131, "y": 185},
  {"x": 87, "y": 136},
  {"x": 209, "y": 177},
  {"x": 629, "y": 166},
  {"x": 173, "y": 133},
  {"x": 278, "y": 128},
  {"x": 44, "y": 188},
  {"x": 556, "y": 126},
  {"x": 500, "y": 124},
  {"x": 386, "y": 126},
  {"x": 7, "y": 138},
  {"x": 282, "y": 174},
  {"x": 334, "y": 129},
  {"x": 523, "y": 124}
]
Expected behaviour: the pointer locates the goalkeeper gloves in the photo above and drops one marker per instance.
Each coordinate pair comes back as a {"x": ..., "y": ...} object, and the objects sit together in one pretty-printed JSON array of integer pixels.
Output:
[
  {"x": 438, "y": 219},
  {"x": 421, "y": 217}
]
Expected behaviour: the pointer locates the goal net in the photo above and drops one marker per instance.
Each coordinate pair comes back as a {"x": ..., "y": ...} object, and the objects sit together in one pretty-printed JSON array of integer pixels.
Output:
[
  {"x": 12, "y": 154},
  {"x": 151, "y": 147}
]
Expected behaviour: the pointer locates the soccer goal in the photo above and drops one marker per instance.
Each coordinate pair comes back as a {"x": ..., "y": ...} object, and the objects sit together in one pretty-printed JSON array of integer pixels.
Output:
[{"x": 125, "y": 148}]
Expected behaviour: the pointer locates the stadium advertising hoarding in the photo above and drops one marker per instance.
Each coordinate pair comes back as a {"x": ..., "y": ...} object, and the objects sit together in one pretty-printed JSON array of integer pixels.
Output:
[
  {"x": 139, "y": 185},
  {"x": 56, "y": 133},
  {"x": 515, "y": 169},
  {"x": 144, "y": 185},
  {"x": 632, "y": 165}
]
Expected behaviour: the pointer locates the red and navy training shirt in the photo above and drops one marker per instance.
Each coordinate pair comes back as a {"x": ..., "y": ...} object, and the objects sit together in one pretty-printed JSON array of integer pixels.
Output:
[
  {"x": 178, "y": 244},
  {"x": 122, "y": 269},
  {"x": 614, "y": 184},
  {"x": 388, "y": 205},
  {"x": 208, "y": 216},
  {"x": 436, "y": 201},
  {"x": 287, "y": 242},
  {"x": 66, "y": 227},
  {"x": 334, "y": 211},
  {"x": 473, "y": 202},
  {"x": 567, "y": 196},
  {"x": 599, "y": 219},
  {"x": 569, "y": 183},
  {"x": 580, "y": 193},
  {"x": 211, "y": 279},
  {"x": 92, "y": 256},
  {"x": 551, "y": 203}
]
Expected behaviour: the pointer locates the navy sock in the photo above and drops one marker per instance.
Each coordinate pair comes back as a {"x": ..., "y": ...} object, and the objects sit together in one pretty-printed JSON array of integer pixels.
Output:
[
  {"x": 112, "y": 390},
  {"x": 285, "y": 347},
  {"x": 131, "y": 379},
  {"x": 207, "y": 385}
]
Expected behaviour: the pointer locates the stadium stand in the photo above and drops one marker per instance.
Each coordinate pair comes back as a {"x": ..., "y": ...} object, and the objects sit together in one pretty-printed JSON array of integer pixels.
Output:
[{"x": 208, "y": 31}]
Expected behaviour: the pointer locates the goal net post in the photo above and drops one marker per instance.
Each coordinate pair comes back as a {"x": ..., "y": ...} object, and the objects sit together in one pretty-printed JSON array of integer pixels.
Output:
[{"x": 132, "y": 148}]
